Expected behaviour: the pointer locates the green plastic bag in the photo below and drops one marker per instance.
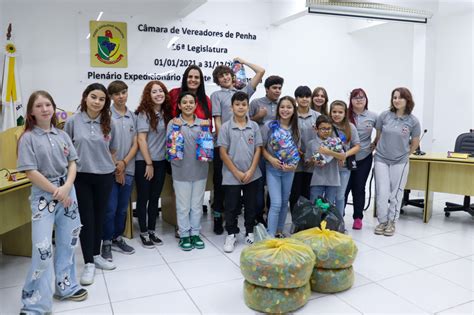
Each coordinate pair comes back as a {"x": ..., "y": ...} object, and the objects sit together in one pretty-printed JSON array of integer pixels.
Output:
[
  {"x": 277, "y": 263},
  {"x": 333, "y": 250},
  {"x": 331, "y": 280},
  {"x": 275, "y": 300}
]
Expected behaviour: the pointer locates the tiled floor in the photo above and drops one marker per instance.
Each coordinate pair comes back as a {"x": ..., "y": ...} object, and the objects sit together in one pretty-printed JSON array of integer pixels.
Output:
[{"x": 423, "y": 269}]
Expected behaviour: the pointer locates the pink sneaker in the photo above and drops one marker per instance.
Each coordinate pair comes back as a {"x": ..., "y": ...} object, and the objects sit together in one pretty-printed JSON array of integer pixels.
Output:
[{"x": 357, "y": 224}]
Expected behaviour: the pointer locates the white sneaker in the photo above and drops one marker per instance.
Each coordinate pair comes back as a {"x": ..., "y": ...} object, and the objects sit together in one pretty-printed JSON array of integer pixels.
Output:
[
  {"x": 249, "y": 239},
  {"x": 103, "y": 264},
  {"x": 229, "y": 244},
  {"x": 88, "y": 274}
]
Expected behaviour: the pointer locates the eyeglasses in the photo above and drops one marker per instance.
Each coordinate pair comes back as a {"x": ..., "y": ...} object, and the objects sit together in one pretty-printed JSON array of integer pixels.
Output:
[
  {"x": 325, "y": 129},
  {"x": 359, "y": 98}
]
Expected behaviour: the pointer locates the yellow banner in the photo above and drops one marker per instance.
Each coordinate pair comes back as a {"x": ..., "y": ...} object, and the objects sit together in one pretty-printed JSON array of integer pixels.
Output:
[
  {"x": 11, "y": 83},
  {"x": 108, "y": 44}
]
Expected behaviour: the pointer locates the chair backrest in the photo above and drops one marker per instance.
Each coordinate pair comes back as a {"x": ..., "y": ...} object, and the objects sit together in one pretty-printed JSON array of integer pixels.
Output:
[{"x": 465, "y": 143}]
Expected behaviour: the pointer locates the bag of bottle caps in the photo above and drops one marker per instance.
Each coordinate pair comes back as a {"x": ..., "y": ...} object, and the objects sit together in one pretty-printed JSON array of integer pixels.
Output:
[
  {"x": 205, "y": 145},
  {"x": 175, "y": 144},
  {"x": 240, "y": 77},
  {"x": 283, "y": 145},
  {"x": 334, "y": 144}
]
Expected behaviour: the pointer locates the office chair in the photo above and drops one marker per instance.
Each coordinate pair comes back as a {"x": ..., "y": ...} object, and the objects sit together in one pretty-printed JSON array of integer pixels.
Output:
[
  {"x": 419, "y": 203},
  {"x": 464, "y": 144}
]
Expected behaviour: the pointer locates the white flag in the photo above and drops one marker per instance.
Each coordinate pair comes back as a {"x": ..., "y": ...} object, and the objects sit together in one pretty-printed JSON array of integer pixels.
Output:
[{"x": 12, "y": 114}]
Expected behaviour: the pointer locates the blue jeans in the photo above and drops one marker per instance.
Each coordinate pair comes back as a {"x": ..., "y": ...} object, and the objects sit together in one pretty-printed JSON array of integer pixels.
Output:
[
  {"x": 279, "y": 187},
  {"x": 116, "y": 212},
  {"x": 328, "y": 192},
  {"x": 189, "y": 200},
  {"x": 37, "y": 294},
  {"x": 344, "y": 175}
]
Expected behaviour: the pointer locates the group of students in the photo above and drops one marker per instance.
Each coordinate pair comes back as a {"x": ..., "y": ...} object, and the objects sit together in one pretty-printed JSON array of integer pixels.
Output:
[{"x": 105, "y": 147}]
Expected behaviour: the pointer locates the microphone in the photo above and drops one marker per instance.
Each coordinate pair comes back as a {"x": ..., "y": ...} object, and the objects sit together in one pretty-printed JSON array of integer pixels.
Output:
[{"x": 418, "y": 150}]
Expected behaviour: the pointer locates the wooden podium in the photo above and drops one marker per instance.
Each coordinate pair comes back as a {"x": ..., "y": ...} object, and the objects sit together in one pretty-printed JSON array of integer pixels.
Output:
[{"x": 15, "y": 211}]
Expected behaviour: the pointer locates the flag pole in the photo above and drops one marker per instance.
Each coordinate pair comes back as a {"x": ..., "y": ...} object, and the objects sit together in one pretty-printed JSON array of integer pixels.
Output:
[{"x": 9, "y": 31}]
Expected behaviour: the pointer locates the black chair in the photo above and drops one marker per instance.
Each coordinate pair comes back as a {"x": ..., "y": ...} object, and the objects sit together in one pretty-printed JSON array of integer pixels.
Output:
[
  {"x": 419, "y": 203},
  {"x": 464, "y": 144}
]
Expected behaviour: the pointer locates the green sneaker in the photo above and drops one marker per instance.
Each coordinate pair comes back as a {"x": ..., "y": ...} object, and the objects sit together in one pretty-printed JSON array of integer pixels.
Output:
[
  {"x": 185, "y": 243},
  {"x": 197, "y": 242}
]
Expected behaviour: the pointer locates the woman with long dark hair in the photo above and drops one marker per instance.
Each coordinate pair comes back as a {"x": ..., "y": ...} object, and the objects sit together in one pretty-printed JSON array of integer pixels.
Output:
[
  {"x": 93, "y": 136},
  {"x": 193, "y": 81},
  {"x": 280, "y": 174},
  {"x": 154, "y": 113}
]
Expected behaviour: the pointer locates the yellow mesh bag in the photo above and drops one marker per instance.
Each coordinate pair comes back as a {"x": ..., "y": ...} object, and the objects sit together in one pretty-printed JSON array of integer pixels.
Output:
[
  {"x": 331, "y": 280},
  {"x": 333, "y": 250},
  {"x": 275, "y": 300},
  {"x": 277, "y": 263}
]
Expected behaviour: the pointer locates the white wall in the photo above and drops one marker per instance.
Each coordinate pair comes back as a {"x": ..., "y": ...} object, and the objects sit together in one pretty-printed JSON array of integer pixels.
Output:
[
  {"x": 454, "y": 106},
  {"x": 311, "y": 50},
  {"x": 321, "y": 53},
  {"x": 318, "y": 51}
]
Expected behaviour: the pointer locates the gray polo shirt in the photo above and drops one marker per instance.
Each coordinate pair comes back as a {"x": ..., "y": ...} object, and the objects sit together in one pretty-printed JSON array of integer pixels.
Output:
[
  {"x": 155, "y": 139},
  {"x": 306, "y": 124},
  {"x": 189, "y": 169},
  {"x": 126, "y": 130},
  {"x": 91, "y": 145},
  {"x": 327, "y": 175},
  {"x": 394, "y": 143},
  {"x": 46, "y": 152},
  {"x": 354, "y": 138},
  {"x": 241, "y": 144},
  {"x": 263, "y": 102},
  {"x": 222, "y": 101},
  {"x": 365, "y": 124}
]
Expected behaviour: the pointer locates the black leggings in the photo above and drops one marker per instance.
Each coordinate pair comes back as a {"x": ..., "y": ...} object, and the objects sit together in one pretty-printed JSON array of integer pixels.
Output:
[
  {"x": 149, "y": 191},
  {"x": 92, "y": 192},
  {"x": 357, "y": 183}
]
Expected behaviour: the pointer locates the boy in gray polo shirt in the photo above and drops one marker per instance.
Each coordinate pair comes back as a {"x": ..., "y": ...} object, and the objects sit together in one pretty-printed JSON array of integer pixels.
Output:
[
  {"x": 126, "y": 133},
  {"x": 222, "y": 111},
  {"x": 262, "y": 110},
  {"x": 240, "y": 143},
  {"x": 325, "y": 179}
]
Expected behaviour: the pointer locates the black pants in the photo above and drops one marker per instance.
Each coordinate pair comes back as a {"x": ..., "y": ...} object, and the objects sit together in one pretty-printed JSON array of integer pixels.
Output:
[
  {"x": 300, "y": 187},
  {"x": 233, "y": 206},
  {"x": 93, "y": 192},
  {"x": 148, "y": 193},
  {"x": 219, "y": 191},
  {"x": 357, "y": 183}
]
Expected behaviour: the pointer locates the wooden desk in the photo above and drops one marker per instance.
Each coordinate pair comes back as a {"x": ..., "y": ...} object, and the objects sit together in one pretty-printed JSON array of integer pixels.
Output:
[
  {"x": 15, "y": 217},
  {"x": 434, "y": 172}
]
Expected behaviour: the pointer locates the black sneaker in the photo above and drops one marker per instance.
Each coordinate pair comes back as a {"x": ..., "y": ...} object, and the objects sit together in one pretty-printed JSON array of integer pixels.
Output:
[
  {"x": 79, "y": 295},
  {"x": 146, "y": 242},
  {"x": 218, "y": 228},
  {"x": 106, "y": 251},
  {"x": 155, "y": 239},
  {"x": 280, "y": 235},
  {"x": 119, "y": 245}
]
